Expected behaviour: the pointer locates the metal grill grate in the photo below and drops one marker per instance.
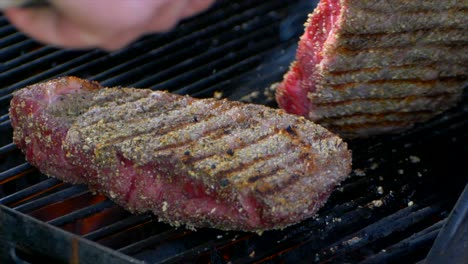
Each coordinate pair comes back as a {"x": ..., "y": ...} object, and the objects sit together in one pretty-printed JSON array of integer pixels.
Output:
[{"x": 238, "y": 49}]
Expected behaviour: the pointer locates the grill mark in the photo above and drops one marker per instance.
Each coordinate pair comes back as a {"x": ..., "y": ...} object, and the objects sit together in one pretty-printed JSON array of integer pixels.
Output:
[
  {"x": 336, "y": 118},
  {"x": 357, "y": 19},
  {"x": 345, "y": 60},
  {"x": 213, "y": 134},
  {"x": 352, "y": 52},
  {"x": 422, "y": 11},
  {"x": 368, "y": 125},
  {"x": 381, "y": 34},
  {"x": 419, "y": 82},
  {"x": 173, "y": 127},
  {"x": 102, "y": 109},
  {"x": 408, "y": 98},
  {"x": 110, "y": 98},
  {"x": 355, "y": 42},
  {"x": 410, "y": 66},
  {"x": 216, "y": 131},
  {"x": 274, "y": 188},
  {"x": 241, "y": 146},
  {"x": 264, "y": 175},
  {"x": 151, "y": 114},
  {"x": 243, "y": 166}
]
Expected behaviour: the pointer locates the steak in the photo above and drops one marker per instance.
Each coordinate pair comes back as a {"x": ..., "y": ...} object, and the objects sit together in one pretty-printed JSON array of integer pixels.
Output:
[
  {"x": 198, "y": 162},
  {"x": 369, "y": 67}
]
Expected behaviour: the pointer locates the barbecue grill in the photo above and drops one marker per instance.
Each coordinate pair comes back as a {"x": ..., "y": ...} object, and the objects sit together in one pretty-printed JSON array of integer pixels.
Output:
[{"x": 401, "y": 196}]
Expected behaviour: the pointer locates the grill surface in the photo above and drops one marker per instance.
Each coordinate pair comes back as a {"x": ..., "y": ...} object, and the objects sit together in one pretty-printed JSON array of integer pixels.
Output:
[{"x": 393, "y": 206}]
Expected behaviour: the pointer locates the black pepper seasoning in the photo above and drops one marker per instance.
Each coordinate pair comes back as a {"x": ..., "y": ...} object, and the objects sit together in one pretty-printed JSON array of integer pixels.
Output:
[
  {"x": 290, "y": 130},
  {"x": 224, "y": 182}
]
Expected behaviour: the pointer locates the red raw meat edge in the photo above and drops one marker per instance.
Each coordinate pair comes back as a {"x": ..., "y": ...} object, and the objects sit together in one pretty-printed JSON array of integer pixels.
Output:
[{"x": 300, "y": 79}]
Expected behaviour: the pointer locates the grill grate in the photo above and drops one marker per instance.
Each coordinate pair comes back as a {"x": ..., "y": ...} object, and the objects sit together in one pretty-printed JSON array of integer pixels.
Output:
[{"x": 237, "y": 49}]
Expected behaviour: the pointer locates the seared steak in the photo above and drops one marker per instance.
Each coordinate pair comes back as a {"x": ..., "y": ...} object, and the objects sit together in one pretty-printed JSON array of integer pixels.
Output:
[
  {"x": 199, "y": 162},
  {"x": 367, "y": 67}
]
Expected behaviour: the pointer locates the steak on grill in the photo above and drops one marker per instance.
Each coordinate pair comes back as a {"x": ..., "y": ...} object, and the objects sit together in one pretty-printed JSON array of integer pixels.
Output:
[
  {"x": 368, "y": 67},
  {"x": 198, "y": 162}
]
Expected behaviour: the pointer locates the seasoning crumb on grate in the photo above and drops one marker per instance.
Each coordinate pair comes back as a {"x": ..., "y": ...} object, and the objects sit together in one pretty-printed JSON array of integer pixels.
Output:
[
  {"x": 380, "y": 190},
  {"x": 249, "y": 98},
  {"x": 359, "y": 172},
  {"x": 218, "y": 94},
  {"x": 376, "y": 203},
  {"x": 353, "y": 241},
  {"x": 414, "y": 159}
]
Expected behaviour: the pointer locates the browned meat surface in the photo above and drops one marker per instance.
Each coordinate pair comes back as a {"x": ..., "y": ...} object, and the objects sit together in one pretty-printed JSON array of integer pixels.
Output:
[
  {"x": 368, "y": 67},
  {"x": 198, "y": 162}
]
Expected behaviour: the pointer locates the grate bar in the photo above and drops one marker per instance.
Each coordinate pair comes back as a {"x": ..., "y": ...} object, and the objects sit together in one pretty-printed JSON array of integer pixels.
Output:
[
  {"x": 423, "y": 238},
  {"x": 17, "y": 196},
  {"x": 14, "y": 171},
  {"x": 198, "y": 250},
  {"x": 8, "y": 30},
  {"x": 52, "y": 198},
  {"x": 31, "y": 56},
  {"x": 230, "y": 71},
  {"x": 115, "y": 227},
  {"x": 138, "y": 246},
  {"x": 141, "y": 46},
  {"x": 7, "y": 148},
  {"x": 84, "y": 212},
  {"x": 45, "y": 74},
  {"x": 182, "y": 42},
  {"x": 15, "y": 50},
  {"x": 384, "y": 227},
  {"x": 4, "y": 117},
  {"x": 5, "y": 124},
  {"x": 204, "y": 69},
  {"x": 11, "y": 39},
  {"x": 186, "y": 64}
]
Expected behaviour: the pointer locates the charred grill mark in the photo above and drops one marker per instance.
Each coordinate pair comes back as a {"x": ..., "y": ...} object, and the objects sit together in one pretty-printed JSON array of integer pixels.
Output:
[
  {"x": 422, "y": 72},
  {"x": 419, "y": 82},
  {"x": 244, "y": 166},
  {"x": 110, "y": 98},
  {"x": 406, "y": 98},
  {"x": 384, "y": 34},
  {"x": 168, "y": 105},
  {"x": 212, "y": 134},
  {"x": 369, "y": 125},
  {"x": 376, "y": 69},
  {"x": 263, "y": 175},
  {"x": 376, "y": 115},
  {"x": 166, "y": 128},
  {"x": 241, "y": 146},
  {"x": 421, "y": 11},
  {"x": 363, "y": 42},
  {"x": 271, "y": 189},
  {"x": 384, "y": 50}
]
